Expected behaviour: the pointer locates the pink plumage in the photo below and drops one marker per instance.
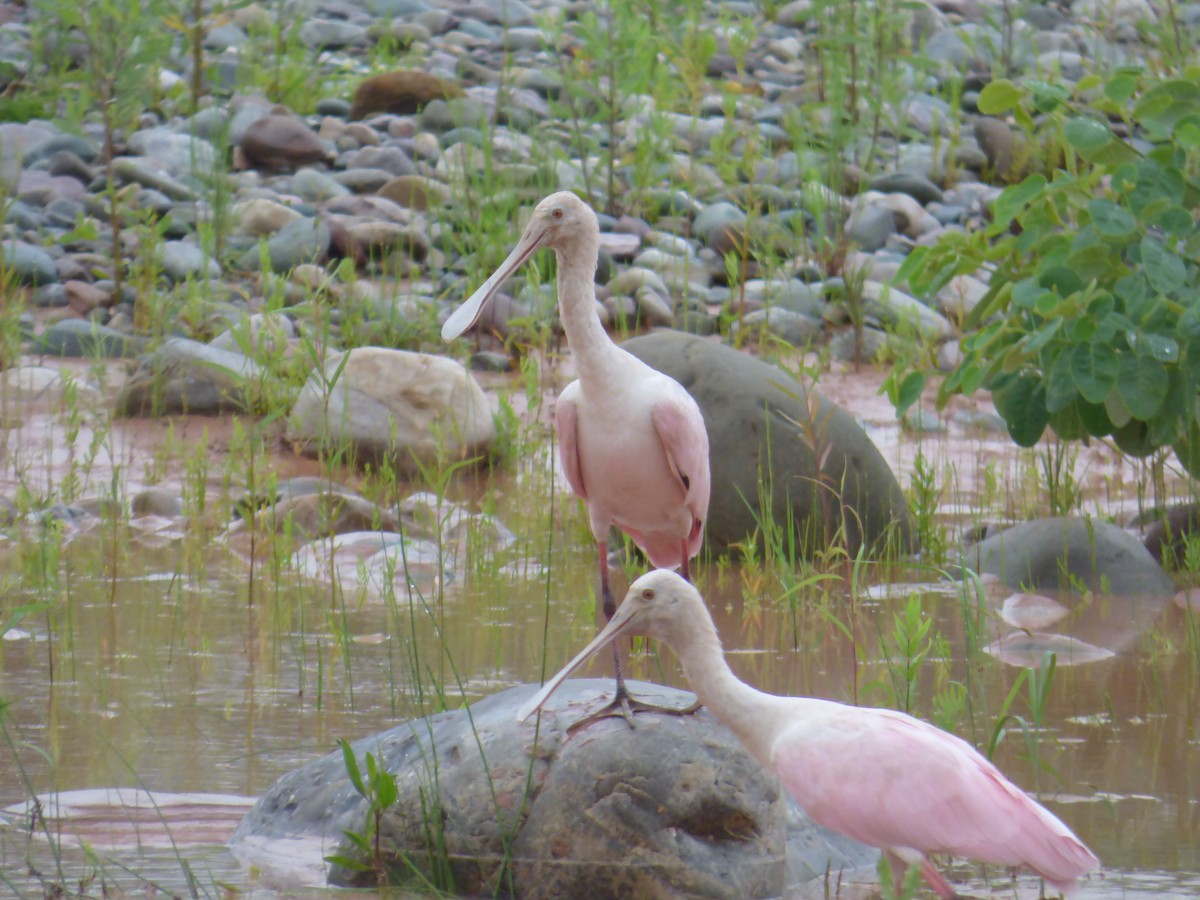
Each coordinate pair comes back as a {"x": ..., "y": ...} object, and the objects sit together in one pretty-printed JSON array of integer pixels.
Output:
[
  {"x": 879, "y": 776},
  {"x": 631, "y": 440}
]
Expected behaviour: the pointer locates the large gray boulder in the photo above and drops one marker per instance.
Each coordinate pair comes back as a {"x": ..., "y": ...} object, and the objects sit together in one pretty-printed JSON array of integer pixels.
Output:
[
  {"x": 674, "y": 807},
  {"x": 406, "y": 407},
  {"x": 761, "y": 424},
  {"x": 1113, "y": 589},
  {"x": 1067, "y": 553}
]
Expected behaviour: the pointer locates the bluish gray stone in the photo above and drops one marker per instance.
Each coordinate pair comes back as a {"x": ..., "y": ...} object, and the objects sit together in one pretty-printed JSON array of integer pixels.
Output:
[
  {"x": 182, "y": 154},
  {"x": 181, "y": 260},
  {"x": 84, "y": 339},
  {"x": 81, "y": 147},
  {"x": 869, "y": 227},
  {"x": 28, "y": 264},
  {"x": 329, "y": 34},
  {"x": 187, "y": 377},
  {"x": 299, "y": 241}
]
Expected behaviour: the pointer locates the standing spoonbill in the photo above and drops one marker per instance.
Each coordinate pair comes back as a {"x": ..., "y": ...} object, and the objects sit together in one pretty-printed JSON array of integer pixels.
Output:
[
  {"x": 878, "y": 776},
  {"x": 632, "y": 441}
]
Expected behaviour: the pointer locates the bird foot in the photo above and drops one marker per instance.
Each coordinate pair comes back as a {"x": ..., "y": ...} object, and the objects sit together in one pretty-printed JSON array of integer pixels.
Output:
[{"x": 623, "y": 705}]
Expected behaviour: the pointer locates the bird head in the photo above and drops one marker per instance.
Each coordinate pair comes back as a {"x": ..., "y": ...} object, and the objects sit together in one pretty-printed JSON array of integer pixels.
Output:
[
  {"x": 658, "y": 605},
  {"x": 557, "y": 221}
]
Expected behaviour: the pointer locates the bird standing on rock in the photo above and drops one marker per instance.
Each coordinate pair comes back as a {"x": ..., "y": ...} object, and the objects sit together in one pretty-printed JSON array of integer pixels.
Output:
[
  {"x": 632, "y": 441},
  {"x": 879, "y": 776}
]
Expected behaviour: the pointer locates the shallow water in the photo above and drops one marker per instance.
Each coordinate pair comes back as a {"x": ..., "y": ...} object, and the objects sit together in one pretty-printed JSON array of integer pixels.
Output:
[{"x": 157, "y": 659}]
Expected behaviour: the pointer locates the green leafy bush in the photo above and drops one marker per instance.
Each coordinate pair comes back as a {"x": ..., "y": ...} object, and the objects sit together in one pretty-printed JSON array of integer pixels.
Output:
[{"x": 1092, "y": 322}]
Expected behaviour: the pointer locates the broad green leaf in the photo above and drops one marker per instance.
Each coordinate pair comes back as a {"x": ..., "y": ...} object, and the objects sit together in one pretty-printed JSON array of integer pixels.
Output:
[
  {"x": 1027, "y": 293},
  {"x": 1013, "y": 199},
  {"x": 388, "y": 793},
  {"x": 1165, "y": 104},
  {"x": 1025, "y": 411},
  {"x": 1118, "y": 412},
  {"x": 1120, "y": 87},
  {"x": 1134, "y": 438},
  {"x": 1189, "y": 321},
  {"x": 351, "y": 766},
  {"x": 1092, "y": 263},
  {"x": 998, "y": 97},
  {"x": 1094, "y": 418},
  {"x": 1176, "y": 221},
  {"x": 909, "y": 391},
  {"x": 1060, "y": 385},
  {"x": 1154, "y": 183},
  {"x": 1110, "y": 220},
  {"x": 1094, "y": 367},
  {"x": 1033, "y": 342},
  {"x": 1187, "y": 133},
  {"x": 1165, "y": 270},
  {"x": 1159, "y": 346},
  {"x": 1188, "y": 451},
  {"x": 1086, "y": 134},
  {"x": 1115, "y": 153},
  {"x": 1110, "y": 324},
  {"x": 912, "y": 264},
  {"x": 1061, "y": 280},
  {"x": 1133, "y": 292},
  {"x": 1047, "y": 96},
  {"x": 1142, "y": 385},
  {"x": 1067, "y": 424}
]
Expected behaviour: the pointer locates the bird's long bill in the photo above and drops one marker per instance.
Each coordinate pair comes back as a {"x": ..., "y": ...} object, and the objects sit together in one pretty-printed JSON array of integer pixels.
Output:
[
  {"x": 464, "y": 317},
  {"x": 618, "y": 624}
]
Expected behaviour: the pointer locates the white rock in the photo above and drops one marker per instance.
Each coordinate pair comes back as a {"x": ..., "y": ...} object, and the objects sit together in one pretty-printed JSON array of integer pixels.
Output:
[
  {"x": 41, "y": 387},
  {"x": 382, "y": 403}
]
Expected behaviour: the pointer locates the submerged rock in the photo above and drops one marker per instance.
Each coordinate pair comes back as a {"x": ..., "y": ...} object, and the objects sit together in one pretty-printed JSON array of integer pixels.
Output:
[
  {"x": 674, "y": 807},
  {"x": 1071, "y": 553},
  {"x": 760, "y": 423},
  {"x": 1113, "y": 589}
]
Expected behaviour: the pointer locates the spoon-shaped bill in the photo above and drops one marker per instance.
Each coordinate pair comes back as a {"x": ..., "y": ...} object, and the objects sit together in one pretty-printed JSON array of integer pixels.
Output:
[
  {"x": 464, "y": 317},
  {"x": 620, "y": 622}
]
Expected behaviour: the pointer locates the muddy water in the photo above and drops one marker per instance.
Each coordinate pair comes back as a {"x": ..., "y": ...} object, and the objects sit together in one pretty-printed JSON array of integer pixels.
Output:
[{"x": 161, "y": 659}]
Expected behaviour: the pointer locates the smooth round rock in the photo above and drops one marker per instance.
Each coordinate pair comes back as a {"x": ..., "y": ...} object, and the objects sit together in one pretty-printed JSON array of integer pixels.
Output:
[
  {"x": 759, "y": 422},
  {"x": 391, "y": 404}
]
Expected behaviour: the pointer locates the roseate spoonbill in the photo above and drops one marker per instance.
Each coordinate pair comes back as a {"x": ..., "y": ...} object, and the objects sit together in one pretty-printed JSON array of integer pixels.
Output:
[
  {"x": 632, "y": 441},
  {"x": 881, "y": 777}
]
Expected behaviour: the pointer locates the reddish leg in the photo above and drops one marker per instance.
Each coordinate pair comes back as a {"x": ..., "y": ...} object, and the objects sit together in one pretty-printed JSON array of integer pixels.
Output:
[
  {"x": 622, "y": 703},
  {"x": 933, "y": 878}
]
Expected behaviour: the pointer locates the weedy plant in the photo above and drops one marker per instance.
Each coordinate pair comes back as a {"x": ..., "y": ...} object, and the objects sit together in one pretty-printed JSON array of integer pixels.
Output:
[
  {"x": 379, "y": 790},
  {"x": 121, "y": 63},
  {"x": 1087, "y": 326}
]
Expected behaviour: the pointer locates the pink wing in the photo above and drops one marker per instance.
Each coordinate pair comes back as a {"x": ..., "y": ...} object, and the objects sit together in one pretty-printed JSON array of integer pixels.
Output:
[
  {"x": 680, "y": 427},
  {"x": 565, "y": 423},
  {"x": 892, "y": 781}
]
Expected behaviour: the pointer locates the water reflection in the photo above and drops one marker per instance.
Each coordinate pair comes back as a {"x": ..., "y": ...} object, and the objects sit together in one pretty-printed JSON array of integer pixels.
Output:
[{"x": 176, "y": 672}]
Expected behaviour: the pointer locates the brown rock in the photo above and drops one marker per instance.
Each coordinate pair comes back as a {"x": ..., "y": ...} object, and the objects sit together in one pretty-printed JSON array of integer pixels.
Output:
[
  {"x": 321, "y": 515},
  {"x": 402, "y": 92},
  {"x": 82, "y": 297},
  {"x": 1006, "y": 153},
  {"x": 414, "y": 192},
  {"x": 281, "y": 143}
]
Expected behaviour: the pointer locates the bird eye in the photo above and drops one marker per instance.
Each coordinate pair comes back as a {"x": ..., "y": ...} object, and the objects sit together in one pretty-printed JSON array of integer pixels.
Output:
[
  {"x": 557, "y": 213},
  {"x": 648, "y": 594}
]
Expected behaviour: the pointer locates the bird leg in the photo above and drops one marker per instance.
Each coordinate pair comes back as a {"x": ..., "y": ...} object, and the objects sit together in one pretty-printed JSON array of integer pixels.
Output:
[
  {"x": 899, "y": 868},
  {"x": 622, "y": 703}
]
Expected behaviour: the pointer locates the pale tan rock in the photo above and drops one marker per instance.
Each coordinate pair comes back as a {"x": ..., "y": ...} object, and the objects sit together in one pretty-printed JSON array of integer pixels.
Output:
[{"x": 393, "y": 404}]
